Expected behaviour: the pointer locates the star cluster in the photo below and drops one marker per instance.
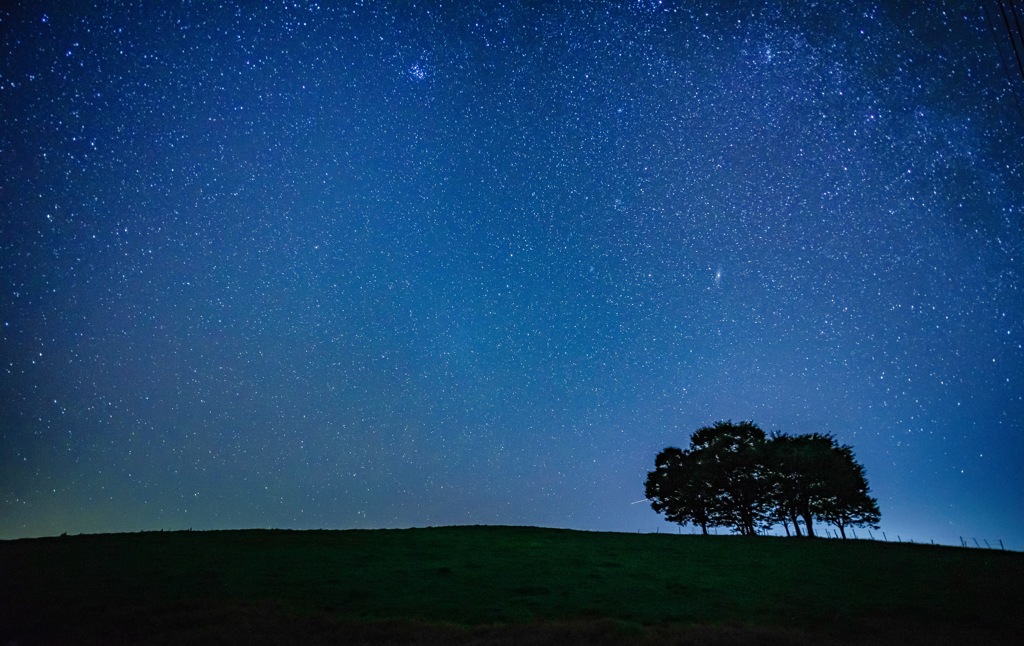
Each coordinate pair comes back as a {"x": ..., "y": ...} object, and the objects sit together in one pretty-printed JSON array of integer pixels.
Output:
[{"x": 382, "y": 264}]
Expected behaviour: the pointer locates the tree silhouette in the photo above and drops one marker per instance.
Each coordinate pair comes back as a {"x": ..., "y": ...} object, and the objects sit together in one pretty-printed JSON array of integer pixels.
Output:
[
  {"x": 733, "y": 455},
  {"x": 799, "y": 472},
  {"x": 846, "y": 501},
  {"x": 732, "y": 475},
  {"x": 717, "y": 481},
  {"x": 680, "y": 488},
  {"x": 785, "y": 486}
]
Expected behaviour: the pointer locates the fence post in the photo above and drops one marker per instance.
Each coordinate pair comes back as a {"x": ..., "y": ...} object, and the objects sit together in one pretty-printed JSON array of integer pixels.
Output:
[
  {"x": 1001, "y": 545},
  {"x": 975, "y": 542},
  {"x": 854, "y": 533},
  {"x": 963, "y": 543},
  {"x": 898, "y": 539},
  {"x": 884, "y": 537},
  {"x": 871, "y": 535},
  {"x": 986, "y": 543}
]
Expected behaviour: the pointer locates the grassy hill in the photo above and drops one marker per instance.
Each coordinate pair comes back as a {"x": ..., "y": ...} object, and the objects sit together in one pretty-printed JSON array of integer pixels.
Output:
[{"x": 501, "y": 585}]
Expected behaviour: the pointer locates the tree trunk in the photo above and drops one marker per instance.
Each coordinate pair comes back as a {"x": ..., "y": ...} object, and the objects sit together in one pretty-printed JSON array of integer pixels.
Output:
[
  {"x": 809, "y": 523},
  {"x": 842, "y": 530},
  {"x": 796, "y": 526},
  {"x": 785, "y": 526},
  {"x": 704, "y": 529}
]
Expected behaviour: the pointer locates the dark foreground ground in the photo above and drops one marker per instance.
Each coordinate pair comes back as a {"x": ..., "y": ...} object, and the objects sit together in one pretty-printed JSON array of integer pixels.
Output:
[{"x": 501, "y": 585}]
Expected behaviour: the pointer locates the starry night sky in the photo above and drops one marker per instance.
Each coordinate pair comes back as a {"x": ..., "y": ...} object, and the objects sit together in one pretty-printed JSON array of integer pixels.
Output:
[{"x": 387, "y": 264}]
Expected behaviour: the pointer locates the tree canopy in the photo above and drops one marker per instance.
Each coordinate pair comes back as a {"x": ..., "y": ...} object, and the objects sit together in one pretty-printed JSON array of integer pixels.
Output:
[{"x": 734, "y": 475}]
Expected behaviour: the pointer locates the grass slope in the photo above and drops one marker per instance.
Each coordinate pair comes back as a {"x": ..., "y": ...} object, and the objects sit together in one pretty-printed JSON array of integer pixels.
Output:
[{"x": 501, "y": 585}]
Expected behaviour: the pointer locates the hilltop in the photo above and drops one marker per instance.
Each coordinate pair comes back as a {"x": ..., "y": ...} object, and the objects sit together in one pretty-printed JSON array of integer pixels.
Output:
[{"x": 501, "y": 585}]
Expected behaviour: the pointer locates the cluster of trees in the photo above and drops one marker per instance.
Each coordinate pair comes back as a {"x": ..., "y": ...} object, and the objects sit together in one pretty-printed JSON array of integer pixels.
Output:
[{"x": 734, "y": 475}]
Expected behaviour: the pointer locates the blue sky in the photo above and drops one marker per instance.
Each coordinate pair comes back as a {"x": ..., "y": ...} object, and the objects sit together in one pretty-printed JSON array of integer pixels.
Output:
[{"x": 394, "y": 264}]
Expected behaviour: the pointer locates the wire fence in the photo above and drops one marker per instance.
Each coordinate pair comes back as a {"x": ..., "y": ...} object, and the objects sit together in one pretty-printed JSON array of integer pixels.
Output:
[
  {"x": 964, "y": 543},
  {"x": 832, "y": 533}
]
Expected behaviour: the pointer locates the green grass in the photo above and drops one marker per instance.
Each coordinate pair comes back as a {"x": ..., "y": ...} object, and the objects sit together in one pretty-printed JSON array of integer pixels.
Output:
[{"x": 501, "y": 585}]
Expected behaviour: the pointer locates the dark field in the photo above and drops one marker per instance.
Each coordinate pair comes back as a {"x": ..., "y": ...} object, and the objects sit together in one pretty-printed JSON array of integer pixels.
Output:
[{"x": 501, "y": 585}]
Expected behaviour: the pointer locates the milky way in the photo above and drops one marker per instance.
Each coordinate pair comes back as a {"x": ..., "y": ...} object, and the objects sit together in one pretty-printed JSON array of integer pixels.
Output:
[{"x": 392, "y": 264}]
